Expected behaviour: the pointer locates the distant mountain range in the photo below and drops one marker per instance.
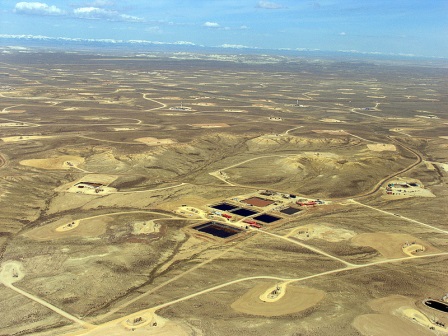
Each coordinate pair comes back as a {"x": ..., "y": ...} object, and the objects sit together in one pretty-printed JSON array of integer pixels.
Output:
[{"x": 134, "y": 46}]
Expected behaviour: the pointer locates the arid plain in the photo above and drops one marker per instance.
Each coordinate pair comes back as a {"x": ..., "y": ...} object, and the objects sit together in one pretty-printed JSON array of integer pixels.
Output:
[{"x": 180, "y": 195}]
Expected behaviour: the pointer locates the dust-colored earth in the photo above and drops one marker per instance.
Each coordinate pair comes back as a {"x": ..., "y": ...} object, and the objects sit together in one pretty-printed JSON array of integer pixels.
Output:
[
  {"x": 295, "y": 299},
  {"x": 381, "y": 147},
  {"x": 329, "y": 120},
  {"x": 150, "y": 141},
  {"x": 395, "y": 315},
  {"x": 95, "y": 118},
  {"x": 146, "y": 227},
  {"x": 321, "y": 231},
  {"x": 391, "y": 245},
  {"x": 409, "y": 191},
  {"x": 26, "y": 138},
  {"x": 383, "y": 324},
  {"x": 103, "y": 179},
  {"x": 13, "y": 124},
  {"x": 118, "y": 129},
  {"x": 205, "y": 104},
  {"x": 58, "y": 162},
  {"x": 210, "y": 125},
  {"x": 151, "y": 324},
  {"x": 11, "y": 271},
  {"x": 86, "y": 228},
  {"x": 333, "y": 132}
]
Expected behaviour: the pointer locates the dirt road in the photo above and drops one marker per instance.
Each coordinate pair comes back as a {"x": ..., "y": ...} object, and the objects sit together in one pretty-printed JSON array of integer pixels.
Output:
[
  {"x": 3, "y": 161},
  {"x": 402, "y": 217}
]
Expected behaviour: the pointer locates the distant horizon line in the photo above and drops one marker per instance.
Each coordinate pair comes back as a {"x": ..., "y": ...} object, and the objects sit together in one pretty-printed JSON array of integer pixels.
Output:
[{"x": 192, "y": 44}]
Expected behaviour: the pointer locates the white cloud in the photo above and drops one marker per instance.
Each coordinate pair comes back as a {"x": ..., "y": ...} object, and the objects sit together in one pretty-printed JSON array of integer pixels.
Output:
[
  {"x": 100, "y": 3},
  {"x": 244, "y": 27},
  {"x": 37, "y": 8},
  {"x": 269, "y": 5},
  {"x": 211, "y": 24},
  {"x": 235, "y": 46},
  {"x": 342, "y": 33},
  {"x": 154, "y": 29},
  {"x": 184, "y": 43},
  {"x": 100, "y": 13}
]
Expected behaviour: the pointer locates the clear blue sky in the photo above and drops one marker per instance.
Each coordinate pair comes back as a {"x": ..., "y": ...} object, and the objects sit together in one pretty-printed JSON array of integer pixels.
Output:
[{"x": 418, "y": 27}]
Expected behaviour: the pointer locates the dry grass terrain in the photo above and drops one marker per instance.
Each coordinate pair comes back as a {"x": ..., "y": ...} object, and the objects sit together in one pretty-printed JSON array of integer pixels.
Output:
[{"x": 116, "y": 173}]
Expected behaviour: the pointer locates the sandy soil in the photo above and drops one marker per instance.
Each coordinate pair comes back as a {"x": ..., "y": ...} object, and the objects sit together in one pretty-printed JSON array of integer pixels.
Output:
[
  {"x": 235, "y": 111},
  {"x": 444, "y": 166},
  {"x": 411, "y": 191},
  {"x": 59, "y": 230},
  {"x": 154, "y": 141},
  {"x": 13, "y": 124},
  {"x": 329, "y": 120},
  {"x": 147, "y": 227},
  {"x": 205, "y": 104},
  {"x": 95, "y": 178},
  {"x": 296, "y": 299},
  {"x": 395, "y": 315},
  {"x": 91, "y": 191},
  {"x": 383, "y": 324},
  {"x": 269, "y": 296},
  {"x": 337, "y": 132},
  {"x": 25, "y": 138},
  {"x": 390, "y": 245},
  {"x": 69, "y": 226},
  {"x": 413, "y": 249},
  {"x": 170, "y": 98},
  {"x": 381, "y": 147},
  {"x": 210, "y": 125},
  {"x": 11, "y": 271},
  {"x": 58, "y": 162},
  {"x": 117, "y": 129},
  {"x": 125, "y": 326},
  {"x": 95, "y": 118},
  {"x": 420, "y": 318},
  {"x": 321, "y": 231},
  {"x": 429, "y": 165}
]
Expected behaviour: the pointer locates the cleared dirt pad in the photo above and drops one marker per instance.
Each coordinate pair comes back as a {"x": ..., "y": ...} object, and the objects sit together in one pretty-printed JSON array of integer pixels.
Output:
[
  {"x": 390, "y": 245},
  {"x": 382, "y": 324},
  {"x": 381, "y": 147},
  {"x": 163, "y": 327},
  {"x": 296, "y": 299},
  {"x": 328, "y": 233},
  {"x": 59, "y": 162},
  {"x": 25, "y": 138},
  {"x": 394, "y": 315},
  {"x": 329, "y": 120},
  {"x": 334, "y": 132},
  {"x": 86, "y": 228},
  {"x": 147, "y": 227},
  {"x": 210, "y": 125},
  {"x": 154, "y": 141}
]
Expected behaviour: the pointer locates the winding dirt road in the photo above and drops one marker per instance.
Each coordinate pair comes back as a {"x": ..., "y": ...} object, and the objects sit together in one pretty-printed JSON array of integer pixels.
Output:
[{"x": 3, "y": 161}]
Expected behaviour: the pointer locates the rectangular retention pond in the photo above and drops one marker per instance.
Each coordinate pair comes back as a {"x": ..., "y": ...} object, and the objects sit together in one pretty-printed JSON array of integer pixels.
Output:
[
  {"x": 218, "y": 229},
  {"x": 224, "y": 206},
  {"x": 290, "y": 211},
  {"x": 265, "y": 218},
  {"x": 244, "y": 212}
]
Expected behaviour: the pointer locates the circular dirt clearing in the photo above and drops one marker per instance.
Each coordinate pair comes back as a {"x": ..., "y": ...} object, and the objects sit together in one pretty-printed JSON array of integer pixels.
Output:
[
  {"x": 392, "y": 245},
  {"x": 296, "y": 299}
]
